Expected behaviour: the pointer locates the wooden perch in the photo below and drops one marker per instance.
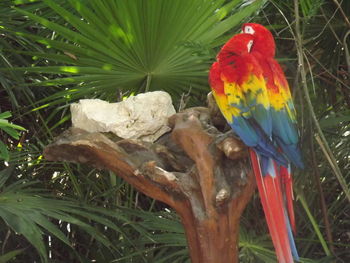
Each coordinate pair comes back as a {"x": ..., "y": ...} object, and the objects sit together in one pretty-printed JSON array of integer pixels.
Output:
[{"x": 200, "y": 172}]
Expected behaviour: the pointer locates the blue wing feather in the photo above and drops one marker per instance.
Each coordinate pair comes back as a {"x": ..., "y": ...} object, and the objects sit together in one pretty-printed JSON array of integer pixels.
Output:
[
  {"x": 253, "y": 136},
  {"x": 285, "y": 133}
]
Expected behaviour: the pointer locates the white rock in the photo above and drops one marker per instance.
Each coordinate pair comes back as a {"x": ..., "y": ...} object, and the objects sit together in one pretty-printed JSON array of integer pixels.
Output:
[{"x": 143, "y": 116}]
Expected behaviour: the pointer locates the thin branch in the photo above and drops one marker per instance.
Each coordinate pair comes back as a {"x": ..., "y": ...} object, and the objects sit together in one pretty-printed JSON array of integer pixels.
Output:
[
  {"x": 327, "y": 70},
  {"x": 342, "y": 13},
  {"x": 324, "y": 208},
  {"x": 347, "y": 53},
  {"x": 330, "y": 26}
]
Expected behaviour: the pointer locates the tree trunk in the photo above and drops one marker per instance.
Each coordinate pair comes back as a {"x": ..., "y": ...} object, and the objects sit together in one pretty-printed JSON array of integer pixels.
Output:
[{"x": 201, "y": 173}]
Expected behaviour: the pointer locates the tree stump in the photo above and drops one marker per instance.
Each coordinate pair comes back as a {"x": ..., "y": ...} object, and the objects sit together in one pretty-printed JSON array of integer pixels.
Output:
[{"x": 197, "y": 170}]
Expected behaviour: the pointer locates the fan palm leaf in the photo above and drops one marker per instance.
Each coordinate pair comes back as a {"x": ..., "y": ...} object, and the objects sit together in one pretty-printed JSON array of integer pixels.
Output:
[{"x": 104, "y": 46}]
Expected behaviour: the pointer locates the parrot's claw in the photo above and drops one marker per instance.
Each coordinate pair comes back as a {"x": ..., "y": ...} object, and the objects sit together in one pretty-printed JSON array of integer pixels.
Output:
[
  {"x": 221, "y": 137},
  {"x": 231, "y": 146}
]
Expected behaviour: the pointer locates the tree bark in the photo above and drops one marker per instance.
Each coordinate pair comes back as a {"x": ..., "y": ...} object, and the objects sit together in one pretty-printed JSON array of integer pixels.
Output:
[{"x": 203, "y": 174}]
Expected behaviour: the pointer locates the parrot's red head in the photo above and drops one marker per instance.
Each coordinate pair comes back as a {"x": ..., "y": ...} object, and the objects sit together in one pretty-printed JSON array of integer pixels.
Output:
[
  {"x": 238, "y": 45},
  {"x": 264, "y": 42}
]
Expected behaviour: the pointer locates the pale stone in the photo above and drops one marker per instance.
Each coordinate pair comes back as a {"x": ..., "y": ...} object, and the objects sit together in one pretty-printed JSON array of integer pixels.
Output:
[{"x": 142, "y": 117}]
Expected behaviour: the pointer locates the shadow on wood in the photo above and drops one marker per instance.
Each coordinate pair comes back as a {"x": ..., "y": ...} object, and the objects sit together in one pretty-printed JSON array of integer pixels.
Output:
[{"x": 201, "y": 173}]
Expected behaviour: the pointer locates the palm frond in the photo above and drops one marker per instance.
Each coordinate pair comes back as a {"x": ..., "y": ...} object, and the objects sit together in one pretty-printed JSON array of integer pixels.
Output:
[{"x": 105, "y": 46}]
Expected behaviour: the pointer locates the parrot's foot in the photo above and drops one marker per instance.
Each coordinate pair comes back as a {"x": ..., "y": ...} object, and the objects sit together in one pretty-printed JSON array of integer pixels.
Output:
[
  {"x": 231, "y": 146},
  {"x": 223, "y": 136}
]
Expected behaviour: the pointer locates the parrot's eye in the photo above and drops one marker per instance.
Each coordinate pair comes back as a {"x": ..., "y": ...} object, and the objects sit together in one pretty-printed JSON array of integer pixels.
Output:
[{"x": 249, "y": 30}]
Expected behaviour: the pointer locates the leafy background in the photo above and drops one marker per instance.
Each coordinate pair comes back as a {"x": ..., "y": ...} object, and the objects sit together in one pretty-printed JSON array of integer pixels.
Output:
[{"x": 53, "y": 53}]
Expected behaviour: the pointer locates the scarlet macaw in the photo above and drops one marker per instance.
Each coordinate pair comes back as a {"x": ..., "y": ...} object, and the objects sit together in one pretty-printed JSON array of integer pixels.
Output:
[{"x": 253, "y": 95}]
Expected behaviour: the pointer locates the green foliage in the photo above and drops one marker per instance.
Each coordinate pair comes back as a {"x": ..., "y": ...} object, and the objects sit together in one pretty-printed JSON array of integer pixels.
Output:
[
  {"x": 102, "y": 47},
  {"x": 11, "y": 130},
  {"x": 10, "y": 255},
  {"x": 55, "y": 52},
  {"x": 29, "y": 210}
]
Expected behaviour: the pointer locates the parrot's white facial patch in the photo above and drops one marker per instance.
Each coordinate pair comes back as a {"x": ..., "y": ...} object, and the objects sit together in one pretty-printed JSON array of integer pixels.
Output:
[
  {"x": 249, "y": 30},
  {"x": 249, "y": 45}
]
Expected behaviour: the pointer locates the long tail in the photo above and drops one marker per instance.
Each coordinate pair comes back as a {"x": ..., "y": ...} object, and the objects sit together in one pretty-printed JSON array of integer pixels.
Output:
[
  {"x": 269, "y": 186},
  {"x": 287, "y": 184}
]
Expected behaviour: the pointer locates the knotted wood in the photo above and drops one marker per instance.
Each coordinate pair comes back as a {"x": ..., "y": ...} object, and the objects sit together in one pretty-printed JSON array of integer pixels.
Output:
[{"x": 203, "y": 174}]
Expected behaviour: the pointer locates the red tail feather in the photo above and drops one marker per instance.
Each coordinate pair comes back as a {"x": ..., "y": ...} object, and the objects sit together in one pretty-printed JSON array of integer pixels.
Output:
[
  {"x": 287, "y": 183},
  {"x": 271, "y": 199}
]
